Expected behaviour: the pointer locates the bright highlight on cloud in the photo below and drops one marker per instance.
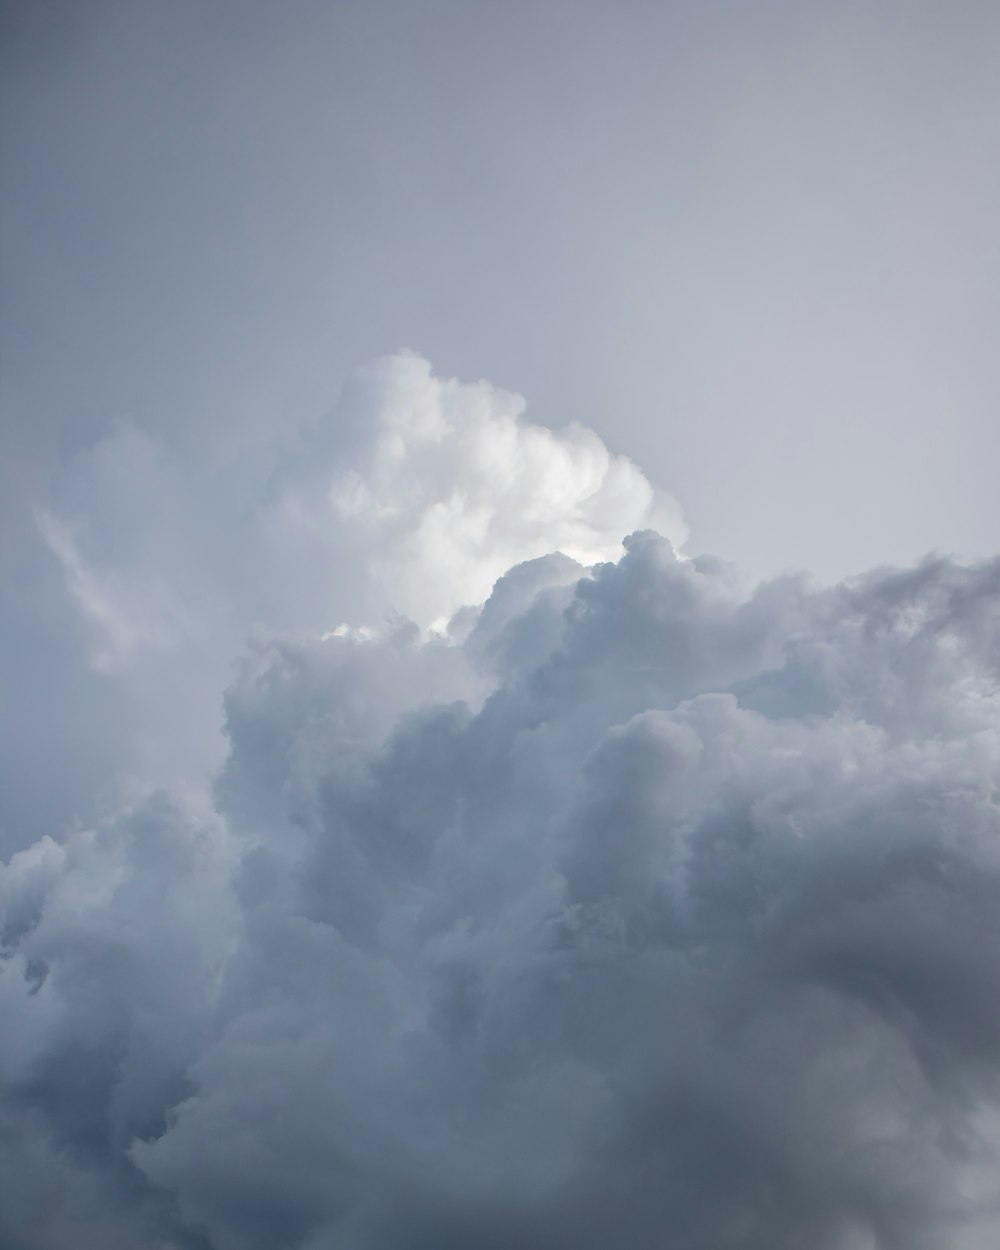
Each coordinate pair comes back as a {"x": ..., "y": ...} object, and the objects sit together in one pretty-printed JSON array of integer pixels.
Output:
[
  {"x": 437, "y": 487},
  {"x": 633, "y": 908}
]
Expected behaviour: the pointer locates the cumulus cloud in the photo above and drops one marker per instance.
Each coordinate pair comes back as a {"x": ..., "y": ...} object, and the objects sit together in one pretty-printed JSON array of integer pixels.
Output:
[
  {"x": 409, "y": 498},
  {"x": 445, "y": 487},
  {"x": 412, "y": 496},
  {"x": 633, "y": 906}
]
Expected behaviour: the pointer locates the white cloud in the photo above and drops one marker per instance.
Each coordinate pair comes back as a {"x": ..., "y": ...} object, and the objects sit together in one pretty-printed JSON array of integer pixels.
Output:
[
  {"x": 436, "y": 487},
  {"x": 411, "y": 497}
]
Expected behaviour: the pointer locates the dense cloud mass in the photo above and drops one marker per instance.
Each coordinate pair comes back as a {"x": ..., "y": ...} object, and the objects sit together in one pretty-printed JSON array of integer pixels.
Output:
[
  {"x": 151, "y": 561},
  {"x": 635, "y": 907}
]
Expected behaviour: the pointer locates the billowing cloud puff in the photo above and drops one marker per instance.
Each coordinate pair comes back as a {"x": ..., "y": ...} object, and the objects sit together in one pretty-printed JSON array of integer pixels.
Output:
[
  {"x": 444, "y": 487},
  {"x": 410, "y": 497},
  {"x": 634, "y": 907}
]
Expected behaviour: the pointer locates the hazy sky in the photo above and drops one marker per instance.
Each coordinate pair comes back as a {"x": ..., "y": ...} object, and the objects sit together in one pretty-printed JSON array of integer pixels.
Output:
[
  {"x": 416, "y": 831},
  {"x": 753, "y": 245}
]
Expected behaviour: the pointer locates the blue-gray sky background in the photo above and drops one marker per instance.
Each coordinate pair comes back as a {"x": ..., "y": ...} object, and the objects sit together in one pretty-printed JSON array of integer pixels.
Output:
[{"x": 753, "y": 245}]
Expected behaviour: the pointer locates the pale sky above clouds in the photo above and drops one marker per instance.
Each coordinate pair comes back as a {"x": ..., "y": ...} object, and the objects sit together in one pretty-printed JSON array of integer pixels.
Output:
[
  {"x": 409, "y": 836},
  {"x": 752, "y": 245}
]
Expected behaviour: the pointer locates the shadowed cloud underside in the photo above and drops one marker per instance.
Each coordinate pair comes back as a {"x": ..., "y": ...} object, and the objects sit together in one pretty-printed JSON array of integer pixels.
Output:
[{"x": 550, "y": 893}]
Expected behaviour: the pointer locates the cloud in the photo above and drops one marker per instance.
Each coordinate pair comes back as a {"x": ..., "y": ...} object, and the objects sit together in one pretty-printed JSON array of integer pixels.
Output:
[
  {"x": 410, "y": 497},
  {"x": 434, "y": 488},
  {"x": 632, "y": 904}
]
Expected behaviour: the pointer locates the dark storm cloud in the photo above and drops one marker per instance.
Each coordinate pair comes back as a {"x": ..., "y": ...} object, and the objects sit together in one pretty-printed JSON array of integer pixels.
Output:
[{"x": 683, "y": 928}]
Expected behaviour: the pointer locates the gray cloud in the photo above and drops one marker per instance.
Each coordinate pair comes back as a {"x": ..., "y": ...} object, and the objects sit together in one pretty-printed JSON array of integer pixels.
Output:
[
  {"x": 637, "y": 903},
  {"x": 143, "y": 566}
]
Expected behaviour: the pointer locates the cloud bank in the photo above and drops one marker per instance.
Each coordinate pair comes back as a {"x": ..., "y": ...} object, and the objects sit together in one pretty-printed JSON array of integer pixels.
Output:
[
  {"x": 150, "y": 560},
  {"x": 627, "y": 905}
]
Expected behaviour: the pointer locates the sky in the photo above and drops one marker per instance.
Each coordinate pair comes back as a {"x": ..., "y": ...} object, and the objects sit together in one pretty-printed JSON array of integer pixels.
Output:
[
  {"x": 752, "y": 245},
  {"x": 499, "y": 588}
]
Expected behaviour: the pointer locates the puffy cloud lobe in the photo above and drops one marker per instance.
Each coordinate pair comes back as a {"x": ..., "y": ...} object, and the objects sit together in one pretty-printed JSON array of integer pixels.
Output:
[
  {"x": 410, "y": 497},
  {"x": 114, "y": 941},
  {"x": 440, "y": 486},
  {"x": 632, "y": 907}
]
